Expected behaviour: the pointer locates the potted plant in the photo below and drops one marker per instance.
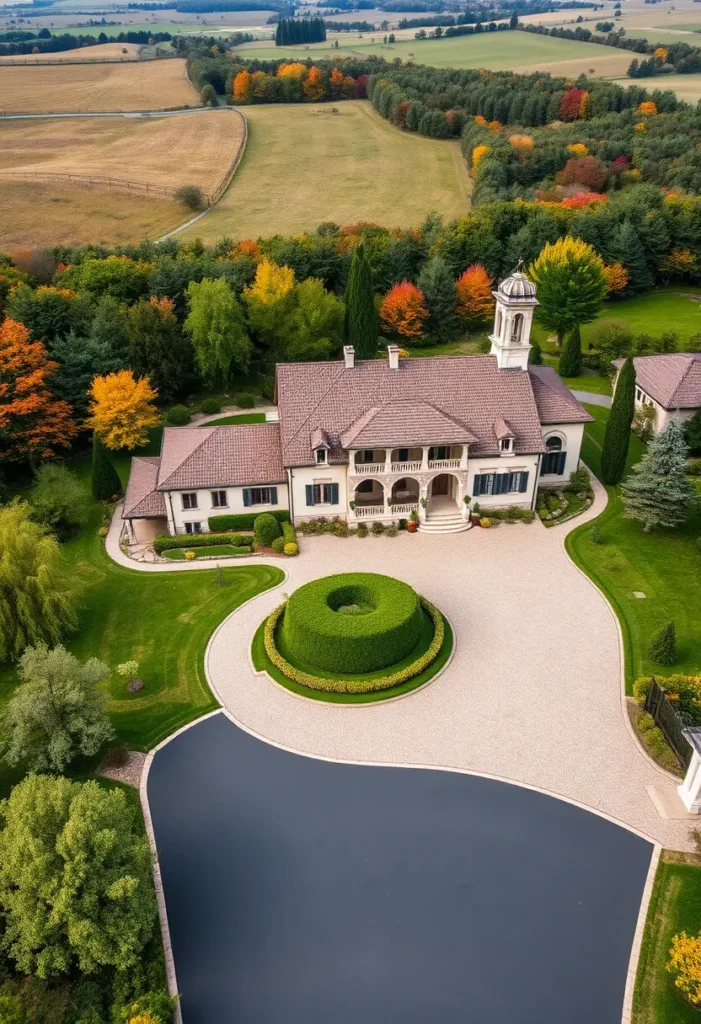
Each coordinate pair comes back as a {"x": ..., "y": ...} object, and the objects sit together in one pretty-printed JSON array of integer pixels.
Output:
[
  {"x": 413, "y": 522},
  {"x": 475, "y": 515},
  {"x": 352, "y": 505}
]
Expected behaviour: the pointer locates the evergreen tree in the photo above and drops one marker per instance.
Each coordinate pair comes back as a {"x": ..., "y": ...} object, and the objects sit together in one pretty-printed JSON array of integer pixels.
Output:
[
  {"x": 628, "y": 250},
  {"x": 659, "y": 494},
  {"x": 571, "y": 358},
  {"x": 105, "y": 480},
  {"x": 437, "y": 284},
  {"x": 617, "y": 436},
  {"x": 360, "y": 328},
  {"x": 535, "y": 356},
  {"x": 157, "y": 348},
  {"x": 663, "y": 646},
  {"x": 79, "y": 360}
]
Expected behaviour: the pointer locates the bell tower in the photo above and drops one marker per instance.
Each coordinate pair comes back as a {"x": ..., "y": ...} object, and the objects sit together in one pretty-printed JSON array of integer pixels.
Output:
[{"x": 513, "y": 319}]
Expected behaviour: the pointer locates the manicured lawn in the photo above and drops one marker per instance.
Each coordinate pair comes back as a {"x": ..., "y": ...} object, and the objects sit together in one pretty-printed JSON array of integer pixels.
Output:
[
  {"x": 675, "y": 906},
  {"x": 595, "y": 384},
  {"x": 244, "y": 417},
  {"x": 664, "y": 565},
  {"x": 262, "y": 663},
  {"x": 223, "y": 550}
]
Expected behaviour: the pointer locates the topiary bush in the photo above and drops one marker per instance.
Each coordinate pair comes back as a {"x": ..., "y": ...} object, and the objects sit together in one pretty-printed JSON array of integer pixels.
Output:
[
  {"x": 354, "y": 622},
  {"x": 289, "y": 533},
  {"x": 291, "y": 549},
  {"x": 210, "y": 406},
  {"x": 278, "y": 545},
  {"x": 245, "y": 401},
  {"x": 179, "y": 416},
  {"x": 663, "y": 645},
  {"x": 266, "y": 529}
]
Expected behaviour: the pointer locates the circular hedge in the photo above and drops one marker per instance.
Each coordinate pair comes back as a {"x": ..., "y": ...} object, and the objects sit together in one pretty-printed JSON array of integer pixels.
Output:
[{"x": 355, "y": 622}]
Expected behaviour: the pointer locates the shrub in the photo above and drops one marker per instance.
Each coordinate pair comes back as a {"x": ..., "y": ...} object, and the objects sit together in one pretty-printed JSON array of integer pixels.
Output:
[
  {"x": 59, "y": 500},
  {"x": 11, "y": 1009},
  {"x": 595, "y": 534},
  {"x": 685, "y": 965},
  {"x": 362, "y": 530},
  {"x": 377, "y": 528},
  {"x": 190, "y": 555},
  {"x": 289, "y": 533},
  {"x": 210, "y": 406},
  {"x": 199, "y": 540},
  {"x": 485, "y": 522},
  {"x": 392, "y": 530},
  {"x": 179, "y": 416},
  {"x": 663, "y": 645},
  {"x": 640, "y": 687},
  {"x": 190, "y": 196},
  {"x": 291, "y": 549},
  {"x": 278, "y": 545},
  {"x": 245, "y": 401},
  {"x": 266, "y": 529},
  {"x": 243, "y": 521},
  {"x": 157, "y": 1005},
  {"x": 580, "y": 479},
  {"x": 208, "y": 96},
  {"x": 318, "y": 632},
  {"x": 511, "y": 515},
  {"x": 355, "y": 685}
]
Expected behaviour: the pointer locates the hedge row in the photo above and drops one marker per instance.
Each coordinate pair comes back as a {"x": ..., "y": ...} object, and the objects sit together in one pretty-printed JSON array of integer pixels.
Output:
[
  {"x": 319, "y": 635},
  {"x": 200, "y": 540},
  {"x": 355, "y": 685},
  {"x": 243, "y": 521}
]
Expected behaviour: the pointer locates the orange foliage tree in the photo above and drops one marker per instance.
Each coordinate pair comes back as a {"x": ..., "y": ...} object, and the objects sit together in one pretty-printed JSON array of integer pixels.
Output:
[
  {"x": 616, "y": 277},
  {"x": 478, "y": 153},
  {"x": 574, "y": 104},
  {"x": 474, "y": 294},
  {"x": 403, "y": 310},
  {"x": 661, "y": 54},
  {"x": 678, "y": 263},
  {"x": 242, "y": 87},
  {"x": 33, "y": 424},
  {"x": 648, "y": 107},
  {"x": 122, "y": 410},
  {"x": 314, "y": 85},
  {"x": 336, "y": 83}
]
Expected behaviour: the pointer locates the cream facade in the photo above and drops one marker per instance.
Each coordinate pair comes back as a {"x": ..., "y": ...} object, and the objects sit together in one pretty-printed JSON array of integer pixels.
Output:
[{"x": 189, "y": 511}]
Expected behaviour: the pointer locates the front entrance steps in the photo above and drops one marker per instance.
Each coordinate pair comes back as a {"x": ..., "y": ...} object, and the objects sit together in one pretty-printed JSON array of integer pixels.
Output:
[{"x": 445, "y": 522}]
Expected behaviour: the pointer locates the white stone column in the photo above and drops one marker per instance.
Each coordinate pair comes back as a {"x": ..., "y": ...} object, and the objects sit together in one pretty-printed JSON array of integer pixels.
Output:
[
  {"x": 388, "y": 460},
  {"x": 424, "y": 460},
  {"x": 690, "y": 789}
]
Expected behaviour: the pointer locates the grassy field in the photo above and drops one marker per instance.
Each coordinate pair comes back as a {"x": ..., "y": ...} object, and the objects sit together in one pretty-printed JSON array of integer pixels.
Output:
[
  {"x": 101, "y": 52},
  {"x": 304, "y": 165},
  {"x": 665, "y": 565},
  {"x": 687, "y": 87},
  {"x": 675, "y": 906},
  {"x": 36, "y": 213},
  {"x": 192, "y": 149},
  {"x": 148, "y": 85}
]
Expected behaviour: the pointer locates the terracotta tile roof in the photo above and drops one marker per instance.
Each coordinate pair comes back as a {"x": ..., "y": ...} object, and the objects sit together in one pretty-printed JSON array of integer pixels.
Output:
[
  {"x": 555, "y": 401},
  {"x": 231, "y": 456},
  {"x": 467, "y": 390},
  {"x": 142, "y": 500},
  {"x": 405, "y": 424},
  {"x": 320, "y": 439},
  {"x": 673, "y": 380},
  {"x": 502, "y": 429}
]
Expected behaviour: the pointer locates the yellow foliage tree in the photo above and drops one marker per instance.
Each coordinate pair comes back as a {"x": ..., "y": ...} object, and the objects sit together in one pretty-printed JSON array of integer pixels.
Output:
[
  {"x": 144, "y": 1018},
  {"x": 679, "y": 262},
  {"x": 616, "y": 277},
  {"x": 272, "y": 283},
  {"x": 685, "y": 964},
  {"x": 478, "y": 153},
  {"x": 647, "y": 107},
  {"x": 122, "y": 410},
  {"x": 521, "y": 143},
  {"x": 242, "y": 87},
  {"x": 661, "y": 54},
  {"x": 577, "y": 149},
  {"x": 294, "y": 70},
  {"x": 640, "y": 127}
]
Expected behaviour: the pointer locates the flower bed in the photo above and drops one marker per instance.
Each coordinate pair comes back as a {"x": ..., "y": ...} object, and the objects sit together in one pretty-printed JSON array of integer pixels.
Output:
[
  {"x": 200, "y": 540},
  {"x": 555, "y": 506},
  {"x": 215, "y": 551}
]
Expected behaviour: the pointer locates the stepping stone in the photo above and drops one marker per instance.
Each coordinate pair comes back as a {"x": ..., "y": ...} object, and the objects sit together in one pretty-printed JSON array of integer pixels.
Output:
[{"x": 639, "y": 594}]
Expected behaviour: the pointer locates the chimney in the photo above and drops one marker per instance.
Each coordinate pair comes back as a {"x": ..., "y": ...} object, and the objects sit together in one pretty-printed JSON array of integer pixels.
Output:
[
  {"x": 349, "y": 356},
  {"x": 393, "y": 353}
]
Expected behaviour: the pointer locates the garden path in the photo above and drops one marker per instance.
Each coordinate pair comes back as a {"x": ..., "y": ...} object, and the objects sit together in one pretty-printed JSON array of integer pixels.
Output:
[
  {"x": 533, "y": 694},
  {"x": 593, "y": 399}
]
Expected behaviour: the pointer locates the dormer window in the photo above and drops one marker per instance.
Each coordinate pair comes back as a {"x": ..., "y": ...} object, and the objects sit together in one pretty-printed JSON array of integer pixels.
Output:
[
  {"x": 321, "y": 456},
  {"x": 506, "y": 443}
]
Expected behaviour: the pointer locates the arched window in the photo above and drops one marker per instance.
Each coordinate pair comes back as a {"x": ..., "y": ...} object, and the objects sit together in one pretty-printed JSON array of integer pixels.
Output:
[
  {"x": 516, "y": 328},
  {"x": 553, "y": 463}
]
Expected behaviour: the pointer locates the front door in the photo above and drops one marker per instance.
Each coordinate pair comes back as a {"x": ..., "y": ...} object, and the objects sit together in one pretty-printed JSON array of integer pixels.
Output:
[{"x": 440, "y": 485}]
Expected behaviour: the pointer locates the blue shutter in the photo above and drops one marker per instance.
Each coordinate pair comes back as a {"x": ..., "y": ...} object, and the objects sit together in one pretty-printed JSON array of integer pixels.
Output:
[
  {"x": 246, "y": 496},
  {"x": 561, "y": 459},
  {"x": 334, "y": 494},
  {"x": 524, "y": 483},
  {"x": 310, "y": 494},
  {"x": 477, "y": 486},
  {"x": 273, "y": 495}
]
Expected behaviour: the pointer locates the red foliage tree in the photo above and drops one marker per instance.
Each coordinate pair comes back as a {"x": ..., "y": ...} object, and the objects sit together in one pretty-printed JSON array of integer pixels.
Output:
[
  {"x": 400, "y": 114},
  {"x": 573, "y": 104},
  {"x": 585, "y": 170},
  {"x": 33, "y": 424},
  {"x": 403, "y": 310},
  {"x": 361, "y": 87}
]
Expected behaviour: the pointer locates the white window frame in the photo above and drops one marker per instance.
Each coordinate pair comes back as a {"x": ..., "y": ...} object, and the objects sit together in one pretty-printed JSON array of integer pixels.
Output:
[
  {"x": 324, "y": 494},
  {"x": 189, "y": 501},
  {"x": 505, "y": 446}
]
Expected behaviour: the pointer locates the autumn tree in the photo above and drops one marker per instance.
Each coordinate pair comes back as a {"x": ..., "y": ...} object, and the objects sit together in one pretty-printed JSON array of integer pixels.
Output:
[
  {"x": 583, "y": 170},
  {"x": 242, "y": 87},
  {"x": 616, "y": 277},
  {"x": 122, "y": 410},
  {"x": 403, "y": 310},
  {"x": 571, "y": 284},
  {"x": 270, "y": 301},
  {"x": 33, "y": 423},
  {"x": 216, "y": 325},
  {"x": 38, "y": 593},
  {"x": 156, "y": 346},
  {"x": 314, "y": 88},
  {"x": 475, "y": 301},
  {"x": 574, "y": 104},
  {"x": 336, "y": 84}
]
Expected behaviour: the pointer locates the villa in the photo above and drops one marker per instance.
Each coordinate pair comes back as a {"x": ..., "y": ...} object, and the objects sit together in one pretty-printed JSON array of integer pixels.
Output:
[
  {"x": 377, "y": 439},
  {"x": 669, "y": 383}
]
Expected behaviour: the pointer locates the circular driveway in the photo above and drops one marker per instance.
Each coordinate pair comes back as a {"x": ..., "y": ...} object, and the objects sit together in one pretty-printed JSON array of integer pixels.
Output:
[{"x": 314, "y": 892}]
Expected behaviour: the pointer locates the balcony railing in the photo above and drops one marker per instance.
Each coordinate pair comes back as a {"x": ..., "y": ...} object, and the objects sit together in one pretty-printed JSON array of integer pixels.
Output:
[
  {"x": 369, "y": 468},
  {"x": 406, "y": 467},
  {"x": 405, "y": 509},
  {"x": 368, "y": 511},
  {"x": 444, "y": 464}
]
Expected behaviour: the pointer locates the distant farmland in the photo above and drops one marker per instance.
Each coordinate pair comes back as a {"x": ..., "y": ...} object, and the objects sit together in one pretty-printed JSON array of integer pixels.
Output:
[
  {"x": 74, "y": 88},
  {"x": 109, "y": 51}
]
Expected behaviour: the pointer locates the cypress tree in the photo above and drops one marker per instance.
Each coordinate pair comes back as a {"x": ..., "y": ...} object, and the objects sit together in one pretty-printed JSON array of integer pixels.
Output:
[
  {"x": 105, "y": 481},
  {"x": 571, "y": 358},
  {"x": 437, "y": 284},
  {"x": 617, "y": 436},
  {"x": 663, "y": 646},
  {"x": 360, "y": 327},
  {"x": 658, "y": 492}
]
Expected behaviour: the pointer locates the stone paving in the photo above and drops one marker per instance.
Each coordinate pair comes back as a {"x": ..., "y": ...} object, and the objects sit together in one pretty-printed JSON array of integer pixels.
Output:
[{"x": 533, "y": 692}]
